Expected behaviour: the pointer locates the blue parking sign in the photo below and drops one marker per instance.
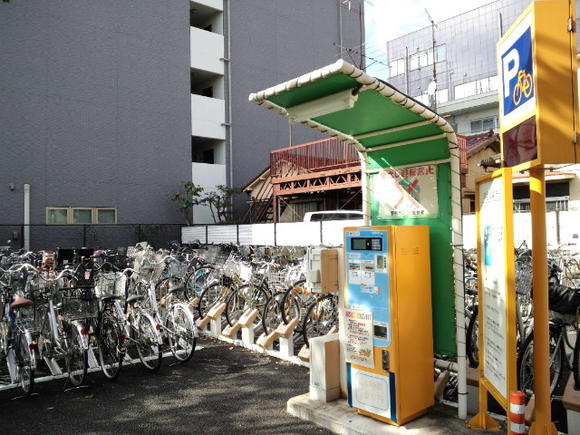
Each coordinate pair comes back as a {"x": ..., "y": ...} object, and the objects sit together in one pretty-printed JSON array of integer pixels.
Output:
[{"x": 517, "y": 75}]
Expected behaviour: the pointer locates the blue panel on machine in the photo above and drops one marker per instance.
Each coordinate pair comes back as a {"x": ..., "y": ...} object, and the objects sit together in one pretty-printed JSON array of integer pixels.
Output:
[{"x": 368, "y": 279}]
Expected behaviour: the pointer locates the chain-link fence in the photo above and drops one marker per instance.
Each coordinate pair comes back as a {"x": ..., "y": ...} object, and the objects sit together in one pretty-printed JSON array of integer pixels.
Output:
[{"x": 95, "y": 236}]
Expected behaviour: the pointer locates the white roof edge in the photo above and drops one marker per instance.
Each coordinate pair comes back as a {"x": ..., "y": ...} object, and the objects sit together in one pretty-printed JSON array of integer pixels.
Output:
[{"x": 369, "y": 82}]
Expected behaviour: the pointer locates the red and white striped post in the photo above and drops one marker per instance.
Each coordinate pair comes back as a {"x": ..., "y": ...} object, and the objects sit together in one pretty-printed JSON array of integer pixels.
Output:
[{"x": 517, "y": 413}]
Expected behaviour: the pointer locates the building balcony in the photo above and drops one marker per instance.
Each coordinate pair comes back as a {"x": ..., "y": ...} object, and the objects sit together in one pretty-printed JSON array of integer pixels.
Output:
[
  {"x": 217, "y": 5},
  {"x": 206, "y": 50},
  {"x": 208, "y": 117},
  {"x": 313, "y": 158}
]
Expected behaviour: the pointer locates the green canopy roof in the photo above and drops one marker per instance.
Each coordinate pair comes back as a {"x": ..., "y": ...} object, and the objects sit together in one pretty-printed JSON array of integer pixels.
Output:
[
  {"x": 381, "y": 118},
  {"x": 390, "y": 130}
]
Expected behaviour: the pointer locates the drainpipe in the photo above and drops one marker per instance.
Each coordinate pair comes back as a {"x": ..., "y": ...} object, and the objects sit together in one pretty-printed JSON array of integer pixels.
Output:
[
  {"x": 27, "y": 217},
  {"x": 228, "y": 81}
]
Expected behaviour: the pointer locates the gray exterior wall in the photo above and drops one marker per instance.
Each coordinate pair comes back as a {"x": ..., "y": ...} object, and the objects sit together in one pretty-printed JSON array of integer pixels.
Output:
[
  {"x": 95, "y": 106},
  {"x": 271, "y": 42}
]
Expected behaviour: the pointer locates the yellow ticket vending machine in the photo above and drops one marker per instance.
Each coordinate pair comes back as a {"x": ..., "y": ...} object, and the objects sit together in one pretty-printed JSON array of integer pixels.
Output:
[{"x": 388, "y": 327}]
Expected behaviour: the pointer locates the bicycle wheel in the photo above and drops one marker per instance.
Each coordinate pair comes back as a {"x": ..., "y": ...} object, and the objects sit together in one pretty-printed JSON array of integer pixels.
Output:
[
  {"x": 181, "y": 333},
  {"x": 295, "y": 303},
  {"x": 244, "y": 298},
  {"x": 110, "y": 340},
  {"x": 76, "y": 357},
  {"x": 472, "y": 341},
  {"x": 147, "y": 343},
  {"x": 517, "y": 96},
  {"x": 272, "y": 316},
  {"x": 320, "y": 318},
  {"x": 199, "y": 279},
  {"x": 525, "y": 363},
  {"x": 209, "y": 297},
  {"x": 25, "y": 365}
]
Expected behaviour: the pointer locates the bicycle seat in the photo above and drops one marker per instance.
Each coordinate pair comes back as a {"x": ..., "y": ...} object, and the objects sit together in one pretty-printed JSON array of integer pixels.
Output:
[
  {"x": 109, "y": 298},
  {"x": 135, "y": 298},
  {"x": 176, "y": 288},
  {"x": 20, "y": 302}
]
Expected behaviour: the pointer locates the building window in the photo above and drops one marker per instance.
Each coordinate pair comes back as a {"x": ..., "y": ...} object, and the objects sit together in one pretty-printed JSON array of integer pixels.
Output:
[
  {"x": 552, "y": 204},
  {"x": 106, "y": 216},
  {"x": 207, "y": 92},
  {"x": 442, "y": 96},
  {"x": 57, "y": 216},
  {"x": 485, "y": 124},
  {"x": 424, "y": 58},
  {"x": 80, "y": 215},
  {"x": 396, "y": 67},
  {"x": 476, "y": 87}
]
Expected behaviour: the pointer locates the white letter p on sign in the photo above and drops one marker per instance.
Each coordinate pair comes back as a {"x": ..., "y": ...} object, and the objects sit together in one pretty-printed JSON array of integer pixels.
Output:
[{"x": 512, "y": 58}]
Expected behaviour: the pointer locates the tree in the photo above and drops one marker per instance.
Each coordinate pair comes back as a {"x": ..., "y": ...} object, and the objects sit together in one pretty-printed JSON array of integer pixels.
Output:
[
  {"x": 186, "y": 200},
  {"x": 219, "y": 202}
]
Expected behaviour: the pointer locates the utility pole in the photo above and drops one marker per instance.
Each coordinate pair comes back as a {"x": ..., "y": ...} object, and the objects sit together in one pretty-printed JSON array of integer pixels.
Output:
[{"x": 434, "y": 59}]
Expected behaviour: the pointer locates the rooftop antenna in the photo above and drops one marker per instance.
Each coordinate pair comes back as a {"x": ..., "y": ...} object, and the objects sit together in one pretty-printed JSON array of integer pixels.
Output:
[{"x": 433, "y": 84}]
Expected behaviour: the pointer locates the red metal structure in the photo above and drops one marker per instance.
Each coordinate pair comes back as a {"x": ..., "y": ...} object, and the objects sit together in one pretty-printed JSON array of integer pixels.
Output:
[
  {"x": 312, "y": 157},
  {"x": 314, "y": 168},
  {"x": 323, "y": 174}
]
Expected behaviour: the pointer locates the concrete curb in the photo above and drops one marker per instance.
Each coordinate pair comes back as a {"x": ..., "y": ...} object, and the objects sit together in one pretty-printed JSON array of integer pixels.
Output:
[{"x": 339, "y": 418}]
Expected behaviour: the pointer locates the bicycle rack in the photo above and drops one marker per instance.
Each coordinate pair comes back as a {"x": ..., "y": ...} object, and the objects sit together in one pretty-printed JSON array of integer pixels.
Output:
[
  {"x": 266, "y": 342},
  {"x": 213, "y": 318},
  {"x": 53, "y": 366},
  {"x": 304, "y": 353},
  {"x": 92, "y": 359},
  {"x": 286, "y": 338},
  {"x": 247, "y": 324}
]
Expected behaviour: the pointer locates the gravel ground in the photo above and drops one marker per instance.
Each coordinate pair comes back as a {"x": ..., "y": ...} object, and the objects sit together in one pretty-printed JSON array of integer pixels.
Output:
[{"x": 221, "y": 390}]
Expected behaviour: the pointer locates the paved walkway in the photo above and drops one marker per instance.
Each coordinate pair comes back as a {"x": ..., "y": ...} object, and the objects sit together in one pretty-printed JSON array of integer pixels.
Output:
[{"x": 222, "y": 390}]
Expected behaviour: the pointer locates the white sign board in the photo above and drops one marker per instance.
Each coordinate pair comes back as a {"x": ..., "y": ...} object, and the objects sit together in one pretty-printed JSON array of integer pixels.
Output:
[
  {"x": 371, "y": 392},
  {"x": 406, "y": 192},
  {"x": 359, "y": 338},
  {"x": 494, "y": 328}
]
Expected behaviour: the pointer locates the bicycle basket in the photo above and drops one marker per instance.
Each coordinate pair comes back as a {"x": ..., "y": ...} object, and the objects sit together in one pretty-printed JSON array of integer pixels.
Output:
[
  {"x": 178, "y": 269},
  {"x": 78, "y": 303},
  {"x": 245, "y": 272},
  {"x": 231, "y": 268},
  {"x": 277, "y": 279},
  {"x": 110, "y": 284}
]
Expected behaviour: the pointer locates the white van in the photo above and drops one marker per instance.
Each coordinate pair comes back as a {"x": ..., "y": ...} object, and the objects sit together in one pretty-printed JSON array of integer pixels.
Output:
[{"x": 333, "y": 215}]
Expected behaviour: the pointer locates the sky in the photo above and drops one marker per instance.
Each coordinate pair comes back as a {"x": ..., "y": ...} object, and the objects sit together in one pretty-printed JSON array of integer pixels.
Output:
[{"x": 389, "y": 19}]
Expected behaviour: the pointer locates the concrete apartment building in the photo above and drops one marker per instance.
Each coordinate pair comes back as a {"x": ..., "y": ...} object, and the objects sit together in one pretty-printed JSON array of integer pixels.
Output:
[
  {"x": 238, "y": 47},
  {"x": 466, "y": 75},
  {"x": 109, "y": 106}
]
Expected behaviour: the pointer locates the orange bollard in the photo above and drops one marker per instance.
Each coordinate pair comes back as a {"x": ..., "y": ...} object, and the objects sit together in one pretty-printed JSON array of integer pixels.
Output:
[{"x": 517, "y": 412}]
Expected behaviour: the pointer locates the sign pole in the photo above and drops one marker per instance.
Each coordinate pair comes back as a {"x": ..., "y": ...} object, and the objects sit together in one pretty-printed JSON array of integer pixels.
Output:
[{"x": 543, "y": 421}]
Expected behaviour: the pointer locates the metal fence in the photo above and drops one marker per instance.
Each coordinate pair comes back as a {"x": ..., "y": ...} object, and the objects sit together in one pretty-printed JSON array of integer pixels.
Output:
[{"x": 95, "y": 236}]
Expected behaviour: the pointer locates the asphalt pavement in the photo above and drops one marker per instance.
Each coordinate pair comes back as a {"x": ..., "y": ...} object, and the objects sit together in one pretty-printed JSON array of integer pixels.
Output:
[{"x": 221, "y": 390}]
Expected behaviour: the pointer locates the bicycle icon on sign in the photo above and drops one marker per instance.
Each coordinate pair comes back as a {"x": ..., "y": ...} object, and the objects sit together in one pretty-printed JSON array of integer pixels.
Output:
[{"x": 523, "y": 87}]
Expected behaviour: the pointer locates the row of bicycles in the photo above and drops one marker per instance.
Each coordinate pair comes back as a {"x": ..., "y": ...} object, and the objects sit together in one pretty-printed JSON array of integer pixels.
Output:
[
  {"x": 62, "y": 309},
  {"x": 67, "y": 310},
  {"x": 270, "y": 280},
  {"x": 564, "y": 302}
]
